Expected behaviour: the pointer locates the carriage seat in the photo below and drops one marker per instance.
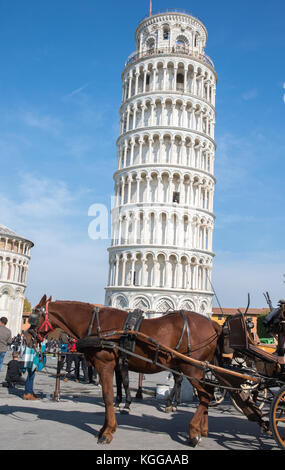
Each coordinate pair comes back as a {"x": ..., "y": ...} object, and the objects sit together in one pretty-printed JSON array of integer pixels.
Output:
[{"x": 239, "y": 339}]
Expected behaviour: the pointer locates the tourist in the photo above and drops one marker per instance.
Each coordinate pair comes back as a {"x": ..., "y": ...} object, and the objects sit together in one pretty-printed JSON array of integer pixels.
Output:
[
  {"x": 33, "y": 360},
  {"x": 14, "y": 373},
  {"x": 5, "y": 339},
  {"x": 73, "y": 356},
  {"x": 70, "y": 358}
]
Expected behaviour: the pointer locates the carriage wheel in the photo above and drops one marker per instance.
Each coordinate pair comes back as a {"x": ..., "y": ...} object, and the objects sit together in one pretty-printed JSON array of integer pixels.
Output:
[{"x": 277, "y": 418}]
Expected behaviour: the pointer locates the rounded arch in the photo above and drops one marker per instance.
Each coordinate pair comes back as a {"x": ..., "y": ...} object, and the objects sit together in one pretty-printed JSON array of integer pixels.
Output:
[
  {"x": 120, "y": 301},
  {"x": 150, "y": 43},
  {"x": 204, "y": 307},
  {"x": 142, "y": 302},
  {"x": 7, "y": 288},
  {"x": 182, "y": 42},
  {"x": 164, "y": 304},
  {"x": 188, "y": 304}
]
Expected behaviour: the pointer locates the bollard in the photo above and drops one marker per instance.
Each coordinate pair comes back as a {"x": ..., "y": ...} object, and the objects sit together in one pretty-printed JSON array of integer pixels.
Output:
[{"x": 56, "y": 394}]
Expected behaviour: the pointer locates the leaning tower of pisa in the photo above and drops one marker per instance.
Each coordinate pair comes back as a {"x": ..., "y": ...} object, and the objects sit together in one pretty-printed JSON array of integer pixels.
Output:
[{"x": 161, "y": 256}]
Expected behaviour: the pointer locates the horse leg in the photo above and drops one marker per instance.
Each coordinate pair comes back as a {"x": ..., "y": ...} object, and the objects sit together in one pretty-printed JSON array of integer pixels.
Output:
[
  {"x": 177, "y": 395},
  {"x": 119, "y": 395},
  {"x": 139, "y": 394},
  {"x": 168, "y": 403},
  {"x": 126, "y": 384},
  {"x": 198, "y": 426},
  {"x": 106, "y": 374},
  {"x": 174, "y": 393}
]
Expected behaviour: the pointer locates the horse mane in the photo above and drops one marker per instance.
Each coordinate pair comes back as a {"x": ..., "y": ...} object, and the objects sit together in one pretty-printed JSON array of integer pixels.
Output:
[
  {"x": 174, "y": 312},
  {"x": 76, "y": 302},
  {"x": 88, "y": 305}
]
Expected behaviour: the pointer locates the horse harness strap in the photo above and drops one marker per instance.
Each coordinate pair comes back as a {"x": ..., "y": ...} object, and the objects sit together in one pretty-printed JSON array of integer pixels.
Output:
[
  {"x": 185, "y": 327},
  {"x": 132, "y": 325},
  {"x": 95, "y": 313},
  {"x": 128, "y": 338},
  {"x": 91, "y": 340}
]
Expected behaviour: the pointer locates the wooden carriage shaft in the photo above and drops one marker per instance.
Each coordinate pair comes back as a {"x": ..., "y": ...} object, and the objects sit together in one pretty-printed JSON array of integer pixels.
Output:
[
  {"x": 195, "y": 362},
  {"x": 109, "y": 345}
]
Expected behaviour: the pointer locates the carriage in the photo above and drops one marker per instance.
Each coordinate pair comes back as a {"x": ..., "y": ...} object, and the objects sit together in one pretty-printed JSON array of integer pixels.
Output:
[
  {"x": 185, "y": 343},
  {"x": 267, "y": 363}
]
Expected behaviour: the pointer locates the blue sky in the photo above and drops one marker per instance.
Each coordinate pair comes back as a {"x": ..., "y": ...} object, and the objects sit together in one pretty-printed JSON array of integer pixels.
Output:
[{"x": 60, "y": 93}]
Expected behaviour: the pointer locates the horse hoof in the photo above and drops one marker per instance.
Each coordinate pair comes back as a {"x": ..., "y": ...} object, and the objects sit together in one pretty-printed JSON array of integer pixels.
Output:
[
  {"x": 265, "y": 429},
  {"x": 174, "y": 409},
  {"x": 104, "y": 439},
  {"x": 168, "y": 409},
  {"x": 125, "y": 411},
  {"x": 195, "y": 441}
]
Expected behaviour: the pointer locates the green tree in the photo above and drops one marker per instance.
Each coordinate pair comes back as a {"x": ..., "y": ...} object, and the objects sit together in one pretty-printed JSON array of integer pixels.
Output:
[
  {"x": 27, "y": 305},
  {"x": 261, "y": 330}
]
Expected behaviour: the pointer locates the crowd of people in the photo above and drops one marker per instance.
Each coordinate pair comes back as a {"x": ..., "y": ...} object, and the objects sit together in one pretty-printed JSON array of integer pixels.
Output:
[{"x": 29, "y": 360}]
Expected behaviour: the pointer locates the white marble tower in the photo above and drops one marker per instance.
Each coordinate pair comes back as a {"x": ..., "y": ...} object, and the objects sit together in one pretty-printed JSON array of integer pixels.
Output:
[{"x": 162, "y": 221}]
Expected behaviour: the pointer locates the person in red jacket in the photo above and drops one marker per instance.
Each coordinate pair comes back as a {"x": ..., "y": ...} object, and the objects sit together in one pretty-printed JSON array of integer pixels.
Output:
[{"x": 77, "y": 359}]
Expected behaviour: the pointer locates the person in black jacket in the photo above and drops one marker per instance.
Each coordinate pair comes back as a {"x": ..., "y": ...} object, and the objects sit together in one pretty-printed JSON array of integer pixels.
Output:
[{"x": 14, "y": 373}]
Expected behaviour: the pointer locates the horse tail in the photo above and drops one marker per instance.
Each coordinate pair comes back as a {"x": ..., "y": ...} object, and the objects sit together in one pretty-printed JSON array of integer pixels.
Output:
[{"x": 220, "y": 342}]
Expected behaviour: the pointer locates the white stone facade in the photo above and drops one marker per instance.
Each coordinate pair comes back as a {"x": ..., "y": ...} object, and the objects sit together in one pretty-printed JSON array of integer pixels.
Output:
[
  {"x": 162, "y": 221},
  {"x": 14, "y": 263}
]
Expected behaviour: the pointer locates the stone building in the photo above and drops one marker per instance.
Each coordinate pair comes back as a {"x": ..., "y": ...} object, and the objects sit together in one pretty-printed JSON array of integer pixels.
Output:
[
  {"x": 161, "y": 256},
  {"x": 14, "y": 263}
]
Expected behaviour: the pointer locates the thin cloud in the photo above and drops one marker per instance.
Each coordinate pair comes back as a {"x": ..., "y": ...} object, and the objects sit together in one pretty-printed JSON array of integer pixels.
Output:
[
  {"x": 250, "y": 95},
  {"x": 77, "y": 90},
  {"x": 44, "y": 122}
]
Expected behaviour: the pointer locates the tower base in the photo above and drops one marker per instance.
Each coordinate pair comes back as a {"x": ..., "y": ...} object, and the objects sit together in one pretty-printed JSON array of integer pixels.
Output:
[{"x": 158, "y": 301}]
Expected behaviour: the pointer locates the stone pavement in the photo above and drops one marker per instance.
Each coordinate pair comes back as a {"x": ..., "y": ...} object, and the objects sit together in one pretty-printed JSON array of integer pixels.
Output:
[{"x": 73, "y": 422}]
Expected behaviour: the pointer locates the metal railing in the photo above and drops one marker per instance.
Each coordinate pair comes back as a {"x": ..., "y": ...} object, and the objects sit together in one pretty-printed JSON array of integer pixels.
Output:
[
  {"x": 170, "y": 50},
  {"x": 171, "y": 10}
]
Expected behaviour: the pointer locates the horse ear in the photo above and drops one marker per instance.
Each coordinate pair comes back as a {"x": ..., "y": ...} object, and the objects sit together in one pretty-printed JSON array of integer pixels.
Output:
[
  {"x": 43, "y": 300},
  {"x": 49, "y": 300}
]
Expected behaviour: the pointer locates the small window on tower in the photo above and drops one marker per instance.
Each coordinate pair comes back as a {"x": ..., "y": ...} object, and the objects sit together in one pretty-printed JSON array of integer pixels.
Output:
[
  {"x": 180, "y": 78},
  {"x": 176, "y": 197},
  {"x": 166, "y": 33}
]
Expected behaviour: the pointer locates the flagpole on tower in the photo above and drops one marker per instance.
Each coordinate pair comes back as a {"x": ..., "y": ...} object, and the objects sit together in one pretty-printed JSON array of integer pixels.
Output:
[{"x": 150, "y": 7}]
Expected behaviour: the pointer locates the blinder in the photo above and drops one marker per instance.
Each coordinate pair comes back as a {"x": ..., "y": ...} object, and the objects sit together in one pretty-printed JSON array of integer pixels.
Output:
[
  {"x": 35, "y": 315},
  {"x": 273, "y": 319}
]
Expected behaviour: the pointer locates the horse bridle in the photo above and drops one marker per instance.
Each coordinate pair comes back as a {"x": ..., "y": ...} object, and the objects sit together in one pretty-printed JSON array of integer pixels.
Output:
[{"x": 34, "y": 319}]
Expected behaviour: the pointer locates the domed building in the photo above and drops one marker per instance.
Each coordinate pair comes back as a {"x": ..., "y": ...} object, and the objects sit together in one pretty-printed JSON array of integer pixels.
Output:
[{"x": 14, "y": 262}]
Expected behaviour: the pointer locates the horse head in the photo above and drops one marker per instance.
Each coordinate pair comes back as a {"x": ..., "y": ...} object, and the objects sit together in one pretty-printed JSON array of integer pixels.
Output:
[
  {"x": 36, "y": 320},
  {"x": 274, "y": 321}
]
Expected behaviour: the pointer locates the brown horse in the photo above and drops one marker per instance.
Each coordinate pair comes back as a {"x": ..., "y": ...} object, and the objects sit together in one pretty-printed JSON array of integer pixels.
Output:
[{"x": 75, "y": 319}]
